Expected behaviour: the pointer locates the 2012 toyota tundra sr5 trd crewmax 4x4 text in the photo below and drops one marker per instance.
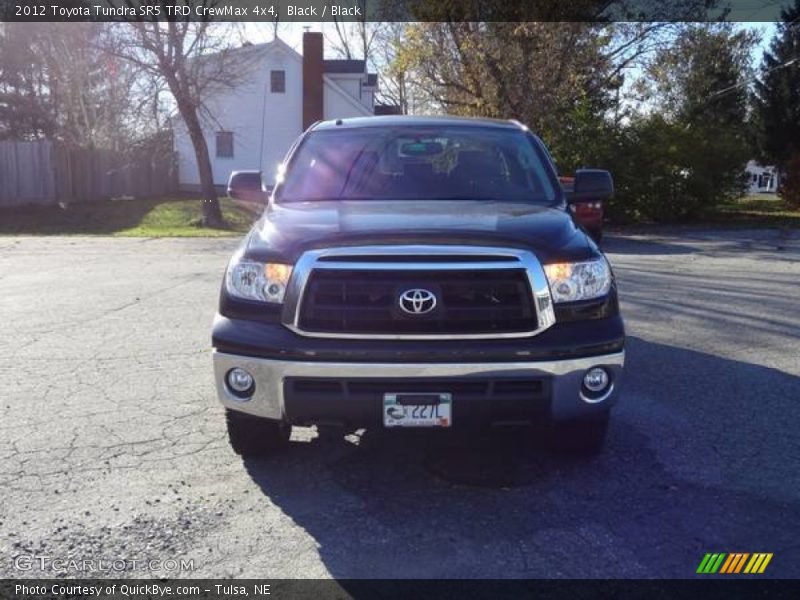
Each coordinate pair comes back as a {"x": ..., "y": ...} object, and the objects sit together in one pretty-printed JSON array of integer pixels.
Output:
[{"x": 417, "y": 272}]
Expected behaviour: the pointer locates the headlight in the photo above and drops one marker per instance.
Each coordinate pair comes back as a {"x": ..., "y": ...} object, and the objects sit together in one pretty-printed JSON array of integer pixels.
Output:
[
  {"x": 578, "y": 281},
  {"x": 257, "y": 281}
]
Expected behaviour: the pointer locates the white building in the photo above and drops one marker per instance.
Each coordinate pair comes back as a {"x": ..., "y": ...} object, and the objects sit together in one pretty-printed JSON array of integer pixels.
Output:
[
  {"x": 761, "y": 179},
  {"x": 256, "y": 121}
]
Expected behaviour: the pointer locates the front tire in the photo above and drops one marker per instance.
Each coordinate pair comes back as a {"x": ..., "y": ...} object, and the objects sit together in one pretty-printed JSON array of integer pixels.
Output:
[
  {"x": 255, "y": 436},
  {"x": 580, "y": 436}
]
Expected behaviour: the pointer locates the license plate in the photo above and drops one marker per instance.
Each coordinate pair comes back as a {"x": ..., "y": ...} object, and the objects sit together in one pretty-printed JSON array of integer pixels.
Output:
[{"x": 417, "y": 410}]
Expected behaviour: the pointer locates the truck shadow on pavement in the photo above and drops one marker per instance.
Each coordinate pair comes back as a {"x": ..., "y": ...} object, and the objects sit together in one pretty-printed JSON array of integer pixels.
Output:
[{"x": 701, "y": 457}]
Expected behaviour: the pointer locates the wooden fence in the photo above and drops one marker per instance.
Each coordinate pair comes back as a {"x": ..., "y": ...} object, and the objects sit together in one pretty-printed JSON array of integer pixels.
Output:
[{"x": 46, "y": 172}]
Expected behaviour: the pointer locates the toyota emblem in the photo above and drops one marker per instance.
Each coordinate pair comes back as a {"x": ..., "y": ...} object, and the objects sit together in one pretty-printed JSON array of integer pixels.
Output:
[{"x": 417, "y": 301}]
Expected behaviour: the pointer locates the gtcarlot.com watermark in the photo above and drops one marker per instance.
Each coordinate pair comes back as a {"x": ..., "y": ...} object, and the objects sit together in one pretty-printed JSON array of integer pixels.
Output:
[{"x": 52, "y": 564}]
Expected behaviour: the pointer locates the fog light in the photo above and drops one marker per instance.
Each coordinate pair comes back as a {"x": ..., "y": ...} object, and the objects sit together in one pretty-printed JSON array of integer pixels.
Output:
[
  {"x": 596, "y": 380},
  {"x": 240, "y": 382}
]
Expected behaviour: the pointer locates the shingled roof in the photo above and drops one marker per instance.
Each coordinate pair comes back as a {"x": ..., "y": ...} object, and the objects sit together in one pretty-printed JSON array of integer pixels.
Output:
[{"x": 344, "y": 66}]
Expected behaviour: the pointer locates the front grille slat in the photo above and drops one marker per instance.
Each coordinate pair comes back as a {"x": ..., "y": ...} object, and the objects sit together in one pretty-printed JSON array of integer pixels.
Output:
[
  {"x": 365, "y": 301},
  {"x": 419, "y": 258}
]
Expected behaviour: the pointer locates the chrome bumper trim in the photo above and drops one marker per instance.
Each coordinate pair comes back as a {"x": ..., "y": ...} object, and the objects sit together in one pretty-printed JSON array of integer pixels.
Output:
[{"x": 269, "y": 374}]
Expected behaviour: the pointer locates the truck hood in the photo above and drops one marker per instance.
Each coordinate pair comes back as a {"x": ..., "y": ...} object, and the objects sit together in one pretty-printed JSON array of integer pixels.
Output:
[{"x": 285, "y": 231}]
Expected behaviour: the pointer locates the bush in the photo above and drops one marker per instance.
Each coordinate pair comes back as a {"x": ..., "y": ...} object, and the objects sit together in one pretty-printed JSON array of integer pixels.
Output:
[
  {"x": 790, "y": 184},
  {"x": 667, "y": 172}
]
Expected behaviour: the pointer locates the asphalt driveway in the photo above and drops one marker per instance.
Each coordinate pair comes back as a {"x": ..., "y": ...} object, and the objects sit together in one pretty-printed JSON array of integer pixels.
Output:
[{"x": 112, "y": 444}]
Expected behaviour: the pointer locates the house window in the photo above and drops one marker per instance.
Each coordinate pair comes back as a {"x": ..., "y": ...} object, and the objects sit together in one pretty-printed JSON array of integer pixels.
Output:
[
  {"x": 277, "y": 82},
  {"x": 224, "y": 144}
]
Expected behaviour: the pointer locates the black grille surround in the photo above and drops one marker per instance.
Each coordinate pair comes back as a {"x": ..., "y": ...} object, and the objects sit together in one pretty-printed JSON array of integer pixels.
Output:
[{"x": 365, "y": 301}]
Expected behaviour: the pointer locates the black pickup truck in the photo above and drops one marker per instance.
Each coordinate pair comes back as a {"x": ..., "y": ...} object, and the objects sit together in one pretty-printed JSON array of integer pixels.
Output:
[{"x": 417, "y": 272}]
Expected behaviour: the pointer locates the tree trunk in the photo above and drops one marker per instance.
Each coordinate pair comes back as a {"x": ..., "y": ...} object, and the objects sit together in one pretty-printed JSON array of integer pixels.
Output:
[{"x": 212, "y": 215}]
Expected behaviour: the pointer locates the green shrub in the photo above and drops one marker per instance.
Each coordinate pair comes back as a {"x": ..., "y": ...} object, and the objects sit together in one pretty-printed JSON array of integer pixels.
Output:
[{"x": 667, "y": 172}]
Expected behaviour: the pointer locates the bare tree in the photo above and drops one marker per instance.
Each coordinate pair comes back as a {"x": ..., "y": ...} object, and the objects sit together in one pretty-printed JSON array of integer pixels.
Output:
[
  {"x": 194, "y": 61},
  {"x": 354, "y": 40}
]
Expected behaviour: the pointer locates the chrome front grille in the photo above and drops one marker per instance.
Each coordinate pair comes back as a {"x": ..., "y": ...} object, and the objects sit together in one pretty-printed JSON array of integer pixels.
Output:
[
  {"x": 480, "y": 293},
  {"x": 366, "y": 301}
]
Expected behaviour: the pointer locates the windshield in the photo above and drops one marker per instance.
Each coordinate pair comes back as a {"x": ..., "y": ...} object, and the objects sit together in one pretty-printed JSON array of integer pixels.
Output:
[{"x": 420, "y": 163}]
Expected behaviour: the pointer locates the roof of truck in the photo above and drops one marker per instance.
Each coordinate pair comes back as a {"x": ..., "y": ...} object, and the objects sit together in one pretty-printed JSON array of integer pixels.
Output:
[{"x": 414, "y": 121}]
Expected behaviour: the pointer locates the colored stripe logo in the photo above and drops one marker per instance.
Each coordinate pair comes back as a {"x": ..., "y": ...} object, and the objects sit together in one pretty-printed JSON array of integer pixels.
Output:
[{"x": 734, "y": 563}]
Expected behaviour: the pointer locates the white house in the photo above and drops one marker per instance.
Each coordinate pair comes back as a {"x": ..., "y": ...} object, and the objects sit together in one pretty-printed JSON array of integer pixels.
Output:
[
  {"x": 761, "y": 179},
  {"x": 256, "y": 121}
]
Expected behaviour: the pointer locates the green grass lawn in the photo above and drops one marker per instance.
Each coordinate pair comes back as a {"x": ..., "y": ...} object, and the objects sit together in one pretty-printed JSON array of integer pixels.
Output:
[
  {"x": 758, "y": 210},
  {"x": 162, "y": 217}
]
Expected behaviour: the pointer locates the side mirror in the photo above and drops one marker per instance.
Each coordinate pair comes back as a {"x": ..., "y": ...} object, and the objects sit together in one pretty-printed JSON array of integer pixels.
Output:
[
  {"x": 247, "y": 186},
  {"x": 592, "y": 185}
]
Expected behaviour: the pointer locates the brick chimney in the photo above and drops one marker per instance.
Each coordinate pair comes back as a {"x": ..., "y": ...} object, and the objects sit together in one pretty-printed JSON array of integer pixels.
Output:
[{"x": 312, "y": 77}]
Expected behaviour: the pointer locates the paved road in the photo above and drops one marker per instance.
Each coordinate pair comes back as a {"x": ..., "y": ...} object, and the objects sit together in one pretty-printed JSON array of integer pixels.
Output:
[{"x": 112, "y": 444}]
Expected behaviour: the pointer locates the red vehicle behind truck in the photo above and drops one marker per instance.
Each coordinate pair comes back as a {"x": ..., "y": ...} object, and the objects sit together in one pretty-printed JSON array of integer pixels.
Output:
[{"x": 588, "y": 214}]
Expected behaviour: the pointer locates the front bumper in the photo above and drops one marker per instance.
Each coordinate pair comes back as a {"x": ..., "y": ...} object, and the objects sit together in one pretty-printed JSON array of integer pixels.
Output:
[{"x": 269, "y": 398}]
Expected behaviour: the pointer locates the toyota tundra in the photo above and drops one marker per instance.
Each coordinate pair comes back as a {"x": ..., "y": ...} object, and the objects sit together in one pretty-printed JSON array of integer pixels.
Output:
[{"x": 418, "y": 272}]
